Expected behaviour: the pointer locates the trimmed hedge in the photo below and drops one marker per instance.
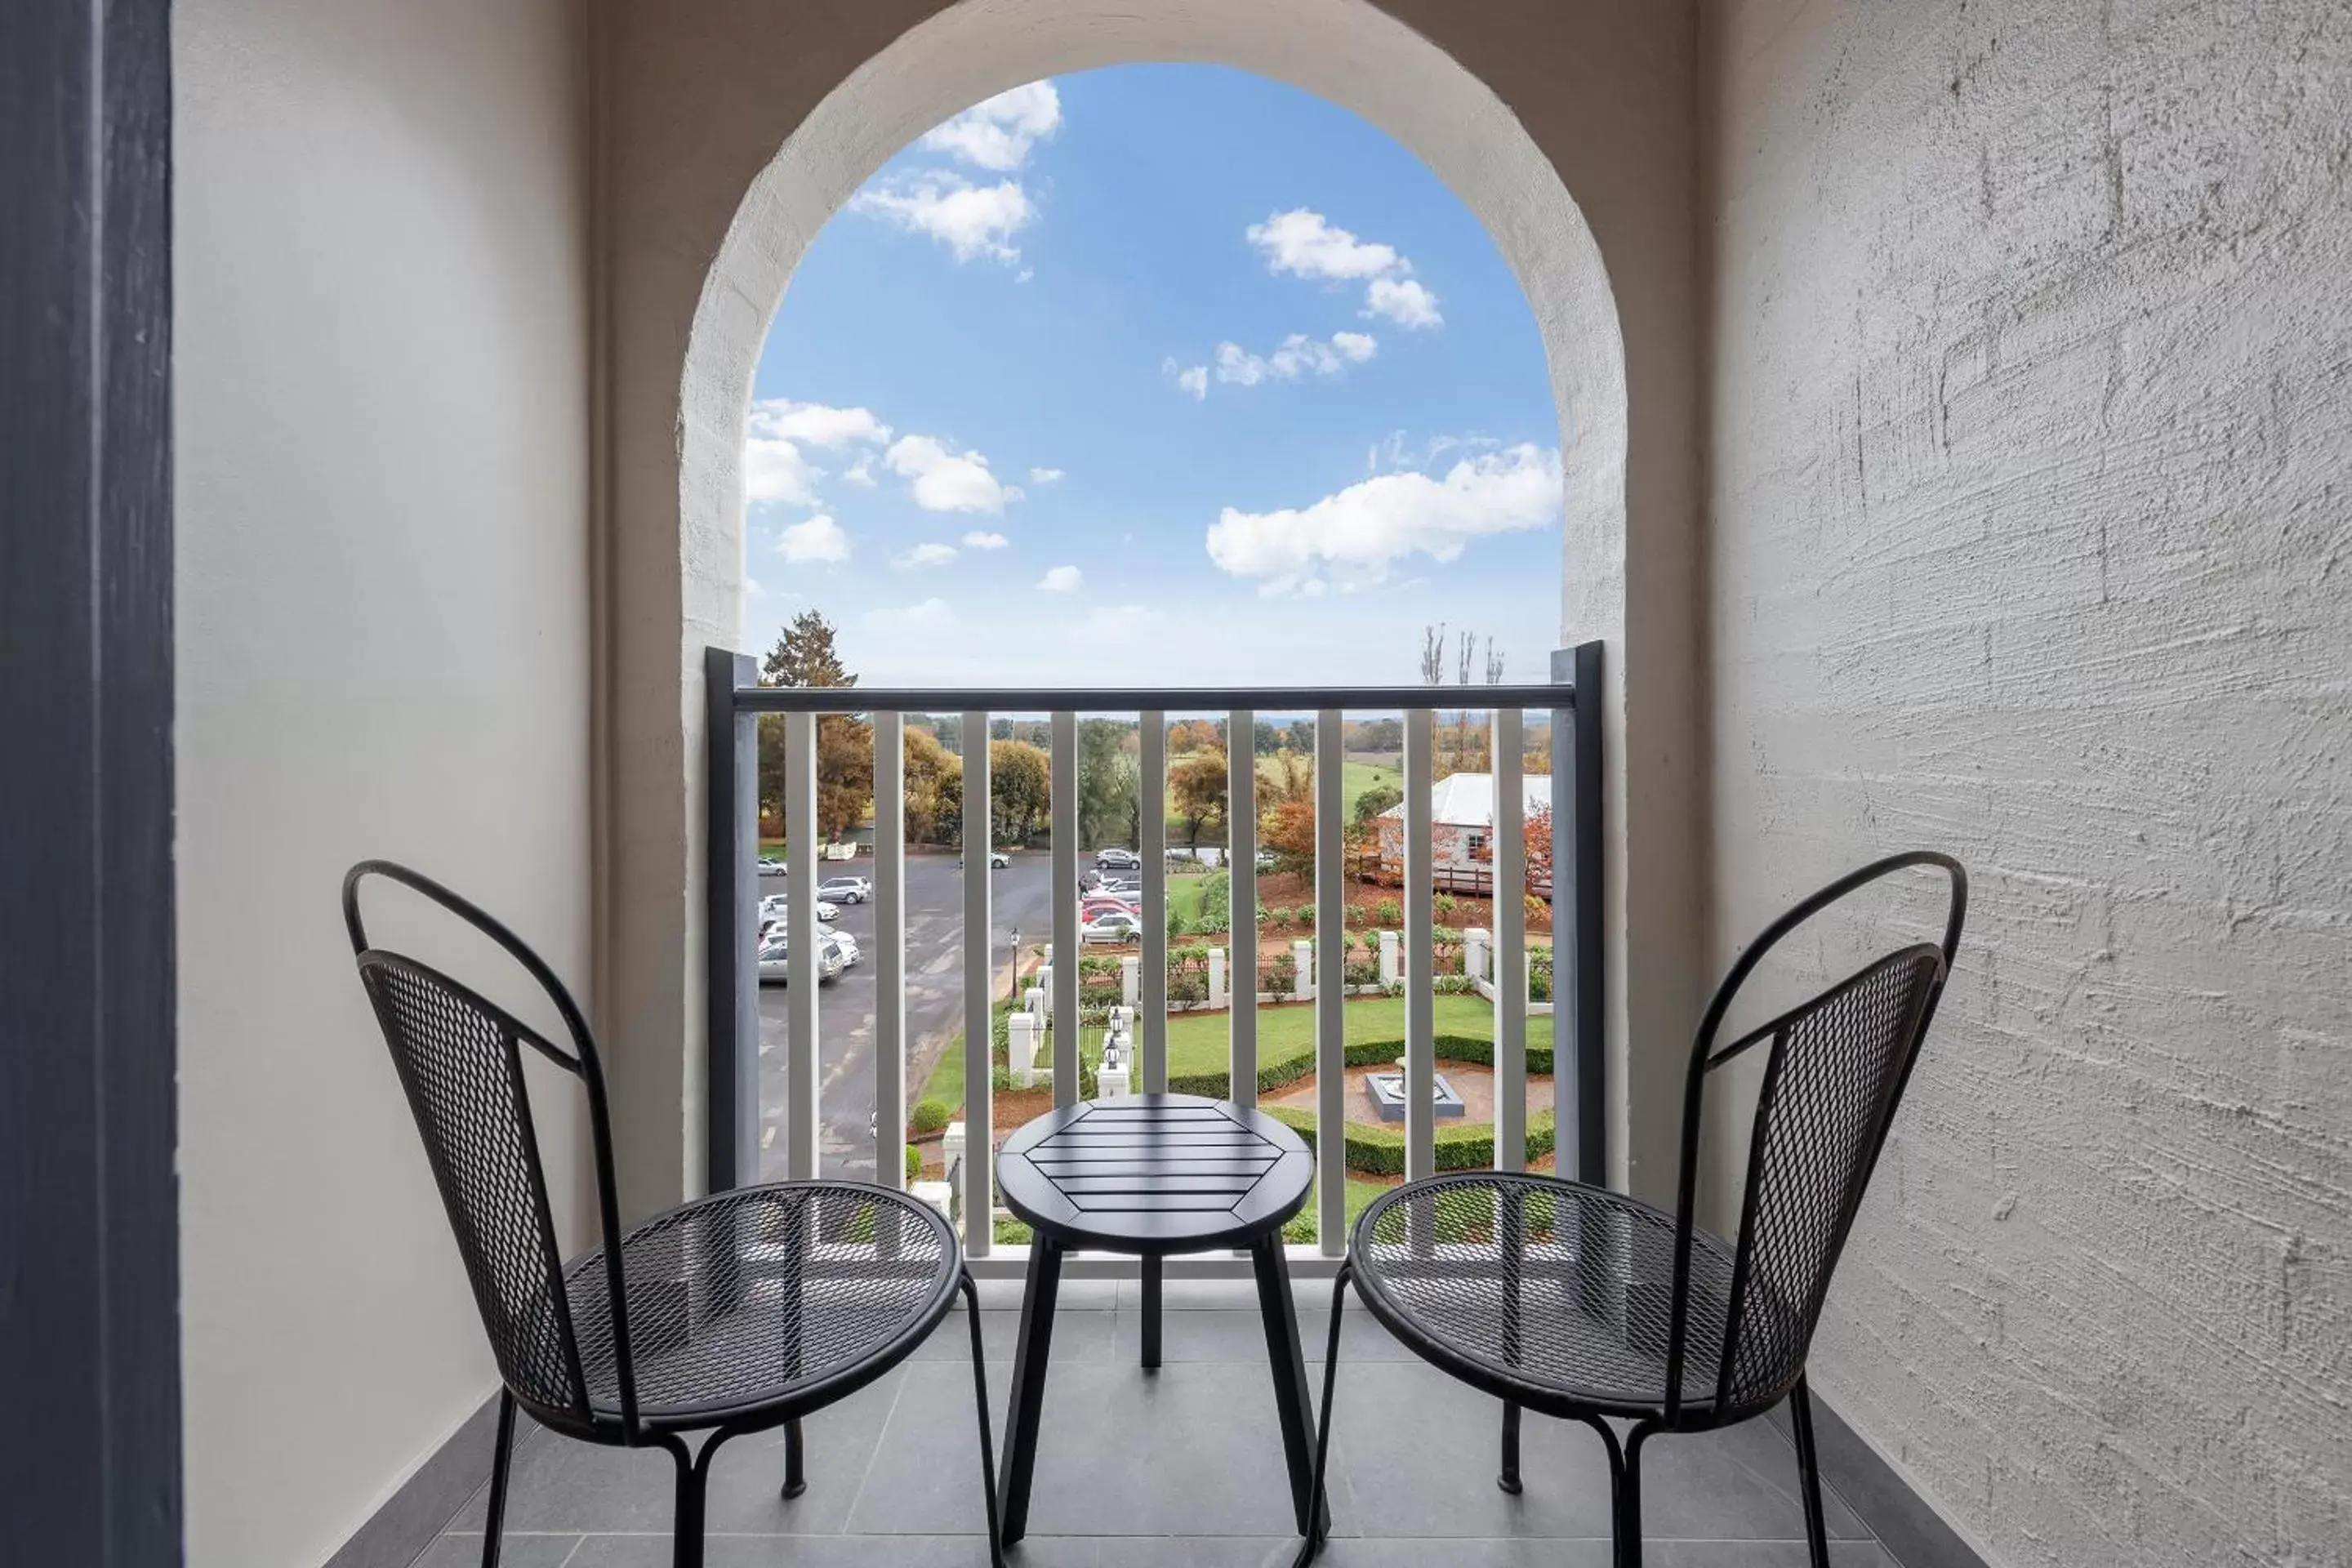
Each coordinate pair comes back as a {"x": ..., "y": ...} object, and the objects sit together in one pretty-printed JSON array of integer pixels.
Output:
[
  {"x": 1380, "y": 1151},
  {"x": 1281, "y": 1073}
]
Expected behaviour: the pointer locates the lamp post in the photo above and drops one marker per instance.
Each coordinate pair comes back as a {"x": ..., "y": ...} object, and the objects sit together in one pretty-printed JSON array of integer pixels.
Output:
[{"x": 1015, "y": 997}]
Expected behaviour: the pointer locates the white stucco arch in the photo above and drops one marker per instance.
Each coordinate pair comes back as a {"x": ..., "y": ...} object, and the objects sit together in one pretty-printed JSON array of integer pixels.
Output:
[
  {"x": 803, "y": 108},
  {"x": 1344, "y": 50}
]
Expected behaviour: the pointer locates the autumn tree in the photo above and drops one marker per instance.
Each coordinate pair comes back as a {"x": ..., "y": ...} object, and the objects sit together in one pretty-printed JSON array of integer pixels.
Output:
[
  {"x": 934, "y": 785},
  {"x": 1286, "y": 829},
  {"x": 804, "y": 656},
  {"x": 1020, "y": 789},
  {"x": 1196, "y": 785}
]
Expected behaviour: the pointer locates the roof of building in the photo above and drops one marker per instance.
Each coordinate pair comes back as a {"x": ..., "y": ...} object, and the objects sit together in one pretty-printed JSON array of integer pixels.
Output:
[{"x": 1467, "y": 800}]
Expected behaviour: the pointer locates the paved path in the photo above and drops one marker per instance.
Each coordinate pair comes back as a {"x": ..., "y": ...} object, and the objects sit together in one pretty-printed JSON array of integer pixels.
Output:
[{"x": 1020, "y": 897}]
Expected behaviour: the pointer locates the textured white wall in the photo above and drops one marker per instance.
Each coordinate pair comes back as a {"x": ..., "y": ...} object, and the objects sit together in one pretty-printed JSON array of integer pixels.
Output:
[
  {"x": 383, "y": 646},
  {"x": 2032, "y": 541}
]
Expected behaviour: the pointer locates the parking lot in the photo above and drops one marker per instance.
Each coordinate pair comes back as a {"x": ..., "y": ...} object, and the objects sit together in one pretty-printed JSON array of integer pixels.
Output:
[{"x": 1020, "y": 898}]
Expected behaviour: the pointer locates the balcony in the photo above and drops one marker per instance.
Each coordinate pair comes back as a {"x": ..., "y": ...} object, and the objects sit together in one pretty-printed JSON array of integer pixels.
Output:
[{"x": 769, "y": 1108}]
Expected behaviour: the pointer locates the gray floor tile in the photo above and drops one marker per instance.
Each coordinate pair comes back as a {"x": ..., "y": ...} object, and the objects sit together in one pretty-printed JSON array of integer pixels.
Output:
[
  {"x": 1761, "y": 1554},
  {"x": 803, "y": 1551},
  {"x": 514, "y": 1552},
  {"x": 1073, "y": 1295},
  {"x": 1371, "y": 1553},
  {"x": 1194, "y": 1449},
  {"x": 1078, "y": 1336},
  {"x": 564, "y": 1485}
]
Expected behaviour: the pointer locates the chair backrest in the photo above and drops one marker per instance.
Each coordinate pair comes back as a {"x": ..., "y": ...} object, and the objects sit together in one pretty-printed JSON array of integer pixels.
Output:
[
  {"x": 1834, "y": 1071},
  {"x": 460, "y": 1059}
]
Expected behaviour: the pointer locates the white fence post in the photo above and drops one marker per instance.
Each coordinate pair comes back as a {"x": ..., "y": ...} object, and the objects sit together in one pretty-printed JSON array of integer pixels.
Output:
[
  {"x": 1391, "y": 958},
  {"x": 1302, "y": 959},
  {"x": 1216, "y": 978},
  {"x": 1021, "y": 1030},
  {"x": 1474, "y": 952},
  {"x": 1131, "y": 980}
]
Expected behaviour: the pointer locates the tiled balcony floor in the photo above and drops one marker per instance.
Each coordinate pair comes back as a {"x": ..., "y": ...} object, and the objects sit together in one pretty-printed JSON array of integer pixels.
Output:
[{"x": 1180, "y": 1467}]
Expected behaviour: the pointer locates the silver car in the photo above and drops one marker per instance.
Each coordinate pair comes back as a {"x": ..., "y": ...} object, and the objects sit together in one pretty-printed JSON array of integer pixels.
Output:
[
  {"x": 776, "y": 905},
  {"x": 846, "y": 889},
  {"x": 776, "y": 969},
  {"x": 843, "y": 944}
]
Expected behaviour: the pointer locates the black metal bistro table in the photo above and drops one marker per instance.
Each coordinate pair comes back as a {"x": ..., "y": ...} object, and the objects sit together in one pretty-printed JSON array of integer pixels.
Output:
[{"x": 1154, "y": 1175}]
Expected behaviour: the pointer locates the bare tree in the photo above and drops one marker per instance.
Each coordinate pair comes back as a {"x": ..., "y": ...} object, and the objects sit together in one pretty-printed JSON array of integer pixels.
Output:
[
  {"x": 1433, "y": 655},
  {"x": 1494, "y": 664}
]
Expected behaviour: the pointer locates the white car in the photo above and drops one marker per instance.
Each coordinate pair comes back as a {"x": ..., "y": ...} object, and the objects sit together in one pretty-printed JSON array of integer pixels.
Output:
[
  {"x": 767, "y": 866},
  {"x": 998, "y": 860},
  {"x": 846, "y": 889},
  {"x": 776, "y": 968},
  {"x": 1111, "y": 926},
  {"x": 843, "y": 944},
  {"x": 775, "y": 906}
]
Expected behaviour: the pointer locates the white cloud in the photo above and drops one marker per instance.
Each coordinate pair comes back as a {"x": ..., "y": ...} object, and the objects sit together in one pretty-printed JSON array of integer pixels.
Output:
[
  {"x": 1403, "y": 301},
  {"x": 816, "y": 538},
  {"x": 1125, "y": 624},
  {"x": 1299, "y": 355},
  {"x": 1045, "y": 476},
  {"x": 751, "y": 589},
  {"x": 1195, "y": 380},
  {"x": 998, "y": 134},
  {"x": 944, "y": 480},
  {"x": 776, "y": 468},
  {"x": 927, "y": 555},
  {"x": 1304, "y": 243},
  {"x": 1356, "y": 534},
  {"x": 981, "y": 539},
  {"x": 815, "y": 423},
  {"x": 778, "y": 471},
  {"x": 930, "y": 618},
  {"x": 1061, "y": 579},
  {"x": 861, "y": 472},
  {"x": 969, "y": 220}
]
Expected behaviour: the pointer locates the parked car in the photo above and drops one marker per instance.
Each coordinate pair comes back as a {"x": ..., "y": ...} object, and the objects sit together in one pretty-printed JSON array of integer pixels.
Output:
[
  {"x": 843, "y": 944},
  {"x": 1117, "y": 858},
  {"x": 998, "y": 860},
  {"x": 775, "y": 906},
  {"x": 1111, "y": 926},
  {"x": 775, "y": 963},
  {"x": 846, "y": 889},
  {"x": 769, "y": 865},
  {"x": 1103, "y": 898}
]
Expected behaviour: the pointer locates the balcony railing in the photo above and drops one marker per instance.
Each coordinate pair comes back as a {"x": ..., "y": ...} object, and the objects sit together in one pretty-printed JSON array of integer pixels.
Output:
[{"x": 736, "y": 702}]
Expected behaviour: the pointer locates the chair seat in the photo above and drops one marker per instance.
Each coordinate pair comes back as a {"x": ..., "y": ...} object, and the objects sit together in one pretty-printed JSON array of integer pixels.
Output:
[
  {"x": 759, "y": 1300},
  {"x": 1550, "y": 1292}
]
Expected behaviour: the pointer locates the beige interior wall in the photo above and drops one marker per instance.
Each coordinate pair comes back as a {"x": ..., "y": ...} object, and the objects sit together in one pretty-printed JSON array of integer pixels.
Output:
[
  {"x": 383, "y": 650},
  {"x": 2031, "y": 408},
  {"x": 698, "y": 103}
]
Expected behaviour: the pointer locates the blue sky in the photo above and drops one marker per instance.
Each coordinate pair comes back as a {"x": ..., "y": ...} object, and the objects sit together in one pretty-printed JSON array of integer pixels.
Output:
[{"x": 1151, "y": 374}]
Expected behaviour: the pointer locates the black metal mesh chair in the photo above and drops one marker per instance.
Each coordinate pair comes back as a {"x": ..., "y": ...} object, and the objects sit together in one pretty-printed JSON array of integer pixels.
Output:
[
  {"x": 738, "y": 1313},
  {"x": 1585, "y": 1304}
]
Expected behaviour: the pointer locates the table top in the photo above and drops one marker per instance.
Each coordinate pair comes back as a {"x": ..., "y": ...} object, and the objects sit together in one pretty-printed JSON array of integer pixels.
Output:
[{"x": 1155, "y": 1174}]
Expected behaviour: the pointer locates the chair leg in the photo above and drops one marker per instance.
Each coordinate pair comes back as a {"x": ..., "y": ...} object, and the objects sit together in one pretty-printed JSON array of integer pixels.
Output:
[
  {"x": 1322, "y": 1514},
  {"x": 795, "y": 1465},
  {"x": 1809, "y": 1474},
  {"x": 693, "y": 1484},
  {"x": 1509, "y": 1478},
  {"x": 980, "y": 1394},
  {"x": 1628, "y": 1499},
  {"x": 494, "y": 1520}
]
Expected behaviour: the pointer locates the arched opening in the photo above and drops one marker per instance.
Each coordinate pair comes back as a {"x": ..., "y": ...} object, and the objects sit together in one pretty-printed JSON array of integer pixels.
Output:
[{"x": 1348, "y": 51}]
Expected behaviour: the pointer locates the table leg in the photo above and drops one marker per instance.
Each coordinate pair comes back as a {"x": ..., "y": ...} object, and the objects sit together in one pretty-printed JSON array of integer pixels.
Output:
[
  {"x": 1028, "y": 1385},
  {"x": 1152, "y": 1313},
  {"x": 1291, "y": 1399}
]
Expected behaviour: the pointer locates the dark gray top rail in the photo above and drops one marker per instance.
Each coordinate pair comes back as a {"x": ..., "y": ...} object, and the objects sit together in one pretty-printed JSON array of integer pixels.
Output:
[{"x": 1144, "y": 699}]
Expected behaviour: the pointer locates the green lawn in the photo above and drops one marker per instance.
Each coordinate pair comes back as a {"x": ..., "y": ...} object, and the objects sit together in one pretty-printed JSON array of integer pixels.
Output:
[{"x": 1197, "y": 1041}]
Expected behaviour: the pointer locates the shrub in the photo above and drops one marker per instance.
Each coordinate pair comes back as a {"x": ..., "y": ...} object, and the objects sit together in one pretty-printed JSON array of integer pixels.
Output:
[
  {"x": 1281, "y": 977},
  {"x": 1175, "y": 922},
  {"x": 1390, "y": 911},
  {"x": 1444, "y": 906},
  {"x": 1363, "y": 972},
  {"x": 931, "y": 1116},
  {"x": 1452, "y": 985},
  {"x": 1380, "y": 1151},
  {"x": 914, "y": 1165}
]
